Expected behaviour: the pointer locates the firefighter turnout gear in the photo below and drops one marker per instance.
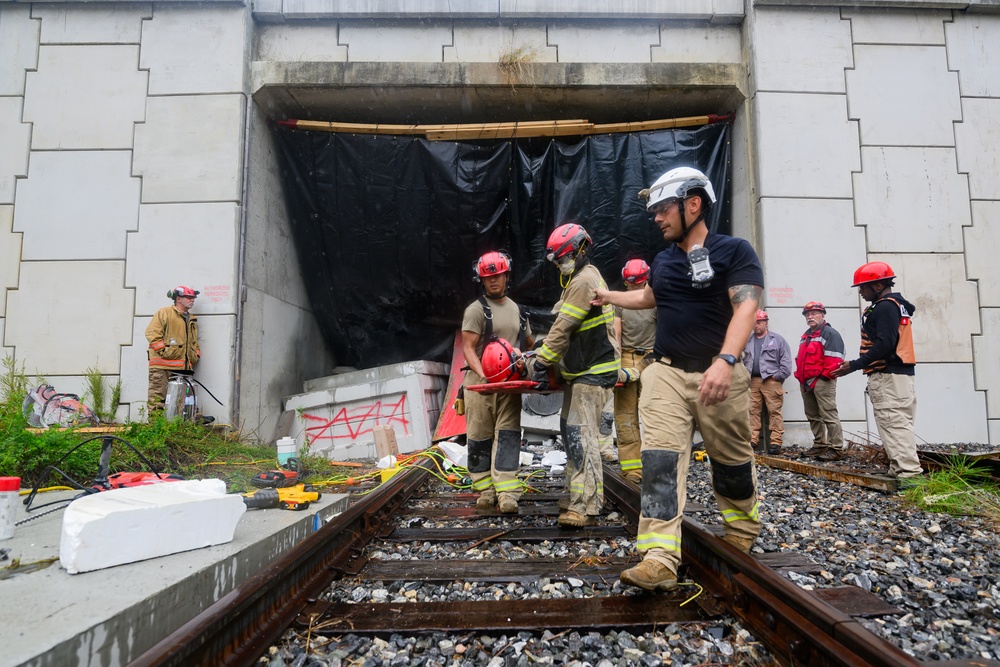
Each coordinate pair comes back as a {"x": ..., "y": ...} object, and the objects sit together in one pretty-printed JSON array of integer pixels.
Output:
[
  {"x": 582, "y": 339},
  {"x": 638, "y": 334},
  {"x": 582, "y": 342},
  {"x": 670, "y": 410},
  {"x": 173, "y": 348}
]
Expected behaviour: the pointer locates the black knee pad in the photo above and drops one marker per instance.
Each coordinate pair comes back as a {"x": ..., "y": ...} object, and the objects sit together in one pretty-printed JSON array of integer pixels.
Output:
[
  {"x": 607, "y": 422},
  {"x": 574, "y": 446},
  {"x": 479, "y": 455},
  {"x": 733, "y": 481},
  {"x": 659, "y": 484},
  {"x": 508, "y": 450}
]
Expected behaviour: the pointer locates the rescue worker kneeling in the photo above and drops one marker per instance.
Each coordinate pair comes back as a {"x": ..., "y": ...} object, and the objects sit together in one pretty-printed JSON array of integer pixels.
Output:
[
  {"x": 493, "y": 421},
  {"x": 582, "y": 342}
]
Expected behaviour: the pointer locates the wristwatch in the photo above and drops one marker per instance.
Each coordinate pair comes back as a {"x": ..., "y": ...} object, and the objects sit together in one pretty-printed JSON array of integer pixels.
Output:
[{"x": 728, "y": 358}]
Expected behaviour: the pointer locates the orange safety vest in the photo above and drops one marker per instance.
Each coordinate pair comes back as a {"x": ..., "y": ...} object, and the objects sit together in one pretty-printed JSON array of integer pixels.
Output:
[{"x": 904, "y": 343}]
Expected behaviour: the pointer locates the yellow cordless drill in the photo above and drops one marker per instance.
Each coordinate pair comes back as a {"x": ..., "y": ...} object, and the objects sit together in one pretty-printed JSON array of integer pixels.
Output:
[{"x": 295, "y": 497}]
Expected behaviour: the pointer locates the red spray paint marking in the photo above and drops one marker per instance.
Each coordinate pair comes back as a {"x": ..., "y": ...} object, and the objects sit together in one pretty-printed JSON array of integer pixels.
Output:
[{"x": 358, "y": 421}]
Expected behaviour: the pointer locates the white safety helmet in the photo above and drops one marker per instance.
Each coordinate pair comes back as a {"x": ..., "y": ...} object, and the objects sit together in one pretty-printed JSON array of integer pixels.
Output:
[{"x": 678, "y": 183}]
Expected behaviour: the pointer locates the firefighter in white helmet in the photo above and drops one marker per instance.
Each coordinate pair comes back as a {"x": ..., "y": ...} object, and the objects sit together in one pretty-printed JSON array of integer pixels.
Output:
[{"x": 706, "y": 288}]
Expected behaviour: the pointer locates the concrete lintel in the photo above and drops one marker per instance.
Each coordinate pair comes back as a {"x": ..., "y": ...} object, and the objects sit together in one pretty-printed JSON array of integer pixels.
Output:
[
  {"x": 481, "y": 92},
  {"x": 531, "y": 75}
]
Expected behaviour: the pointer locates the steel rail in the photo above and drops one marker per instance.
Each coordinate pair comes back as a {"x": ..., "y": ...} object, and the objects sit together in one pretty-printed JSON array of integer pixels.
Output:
[
  {"x": 239, "y": 627},
  {"x": 795, "y": 625}
]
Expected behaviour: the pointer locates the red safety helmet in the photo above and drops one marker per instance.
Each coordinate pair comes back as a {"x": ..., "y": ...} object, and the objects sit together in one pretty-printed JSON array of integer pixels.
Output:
[
  {"x": 499, "y": 361},
  {"x": 762, "y": 315},
  {"x": 566, "y": 239},
  {"x": 814, "y": 305},
  {"x": 636, "y": 271},
  {"x": 493, "y": 264},
  {"x": 182, "y": 290},
  {"x": 872, "y": 272}
]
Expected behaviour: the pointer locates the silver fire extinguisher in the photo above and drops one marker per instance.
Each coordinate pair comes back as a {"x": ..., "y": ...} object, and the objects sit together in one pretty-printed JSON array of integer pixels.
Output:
[{"x": 182, "y": 398}]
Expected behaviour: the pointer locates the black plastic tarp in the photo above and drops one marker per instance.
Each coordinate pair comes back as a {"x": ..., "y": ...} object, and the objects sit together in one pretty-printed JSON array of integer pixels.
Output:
[{"x": 387, "y": 227}]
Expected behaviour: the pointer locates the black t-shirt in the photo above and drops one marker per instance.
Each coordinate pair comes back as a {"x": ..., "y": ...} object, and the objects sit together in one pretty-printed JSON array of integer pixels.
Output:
[{"x": 692, "y": 321}]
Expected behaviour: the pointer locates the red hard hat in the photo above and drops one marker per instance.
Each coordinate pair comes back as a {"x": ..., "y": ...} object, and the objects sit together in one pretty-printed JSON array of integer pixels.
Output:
[
  {"x": 762, "y": 315},
  {"x": 872, "y": 272},
  {"x": 635, "y": 271},
  {"x": 566, "y": 239},
  {"x": 498, "y": 361},
  {"x": 182, "y": 290},
  {"x": 814, "y": 305},
  {"x": 493, "y": 264}
]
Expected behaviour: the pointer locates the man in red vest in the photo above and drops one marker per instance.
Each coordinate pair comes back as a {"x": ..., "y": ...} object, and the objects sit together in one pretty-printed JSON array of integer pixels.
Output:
[
  {"x": 887, "y": 359},
  {"x": 821, "y": 351}
]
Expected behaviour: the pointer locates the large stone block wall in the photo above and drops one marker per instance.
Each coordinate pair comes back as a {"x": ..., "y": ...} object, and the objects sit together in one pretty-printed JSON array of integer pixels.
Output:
[
  {"x": 121, "y": 127},
  {"x": 869, "y": 134},
  {"x": 878, "y": 135}
]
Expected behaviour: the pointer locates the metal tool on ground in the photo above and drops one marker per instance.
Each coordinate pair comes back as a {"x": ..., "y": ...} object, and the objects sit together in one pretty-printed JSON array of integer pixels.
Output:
[
  {"x": 289, "y": 474},
  {"x": 105, "y": 480},
  {"x": 295, "y": 498}
]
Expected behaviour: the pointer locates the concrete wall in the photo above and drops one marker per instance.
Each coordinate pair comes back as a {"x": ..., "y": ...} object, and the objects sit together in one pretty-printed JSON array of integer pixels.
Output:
[
  {"x": 876, "y": 140},
  {"x": 862, "y": 133}
]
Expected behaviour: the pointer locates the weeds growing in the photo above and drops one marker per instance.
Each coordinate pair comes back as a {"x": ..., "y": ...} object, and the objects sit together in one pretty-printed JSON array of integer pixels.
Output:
[
  {"x": 959, "y": 489},
  {"x": 174, "y": 446}
]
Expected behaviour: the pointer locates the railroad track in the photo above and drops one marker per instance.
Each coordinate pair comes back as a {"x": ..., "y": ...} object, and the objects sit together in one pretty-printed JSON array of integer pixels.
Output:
[{"x": 798, "y": 627}]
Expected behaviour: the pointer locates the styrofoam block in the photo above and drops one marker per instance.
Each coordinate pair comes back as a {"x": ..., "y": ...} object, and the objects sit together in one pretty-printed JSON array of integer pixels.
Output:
[
  {"x": 133, "y": 524},
  {"x": 456, "y": 453}
]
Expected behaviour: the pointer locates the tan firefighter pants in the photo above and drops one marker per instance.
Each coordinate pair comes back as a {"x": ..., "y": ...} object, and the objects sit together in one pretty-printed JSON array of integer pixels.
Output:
[
  {"x": 670, "y": 411},
  {"x": 821, "y": 410},
  {"x": 772, "y": 394},
  {"x": 157, "y": 394},
  {"x": 581, "y": 418},
  {"x": 627, "y": 416},
  {"x": 894, "y": 403},
  {"x": 493, "y": 429}
]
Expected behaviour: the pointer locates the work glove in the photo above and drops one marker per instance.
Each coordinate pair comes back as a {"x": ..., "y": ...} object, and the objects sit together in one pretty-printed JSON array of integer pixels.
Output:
[
  {"x": 540, "y": 374},
  {"x": 627, "y": 375}
]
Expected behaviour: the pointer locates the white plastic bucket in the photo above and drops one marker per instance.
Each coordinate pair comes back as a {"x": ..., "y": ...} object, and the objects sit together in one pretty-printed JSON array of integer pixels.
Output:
[{"x": 286, "y": 449}]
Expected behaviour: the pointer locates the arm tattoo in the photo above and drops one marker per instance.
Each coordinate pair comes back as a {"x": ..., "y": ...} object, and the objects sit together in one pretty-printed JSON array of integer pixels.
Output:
[{"x": 740, "y": 293}]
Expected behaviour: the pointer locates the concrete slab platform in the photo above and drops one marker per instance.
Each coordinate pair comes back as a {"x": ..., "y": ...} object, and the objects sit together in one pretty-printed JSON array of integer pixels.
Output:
[{"x": 108, "y": 617}]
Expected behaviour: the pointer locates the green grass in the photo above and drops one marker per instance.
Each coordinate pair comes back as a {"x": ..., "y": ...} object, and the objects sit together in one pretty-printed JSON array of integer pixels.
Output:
[
  {"x": 175, "y": 446},
  {"x": 959, "y": 489}
]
